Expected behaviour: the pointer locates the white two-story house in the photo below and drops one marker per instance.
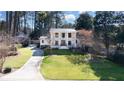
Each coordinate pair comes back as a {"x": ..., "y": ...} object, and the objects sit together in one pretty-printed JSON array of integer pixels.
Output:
[{"x": 61, "y": 38}]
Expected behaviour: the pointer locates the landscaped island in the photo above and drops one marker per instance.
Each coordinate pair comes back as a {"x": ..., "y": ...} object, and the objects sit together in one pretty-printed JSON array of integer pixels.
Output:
[{"x": 63, "y": 67}]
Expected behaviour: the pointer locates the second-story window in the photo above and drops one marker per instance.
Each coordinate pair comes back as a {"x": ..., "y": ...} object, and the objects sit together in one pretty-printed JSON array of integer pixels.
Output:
[
  {"x": 69, "y": 35},
  {"x": 56, "y": 35},
  {"x": 63, "y": 35}
]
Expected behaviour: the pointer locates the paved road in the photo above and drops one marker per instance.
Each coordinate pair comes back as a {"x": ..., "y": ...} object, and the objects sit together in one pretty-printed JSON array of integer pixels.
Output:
[{"x": 30, "y": 70}]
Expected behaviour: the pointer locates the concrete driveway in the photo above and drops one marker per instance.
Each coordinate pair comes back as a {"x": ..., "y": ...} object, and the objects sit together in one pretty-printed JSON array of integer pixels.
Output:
[{"x": 30, "y": 70}]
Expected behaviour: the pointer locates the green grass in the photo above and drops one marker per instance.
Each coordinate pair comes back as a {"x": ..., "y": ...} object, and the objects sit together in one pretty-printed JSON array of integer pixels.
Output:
[
  {"x": 60, "y": 67},
  {"x": 19, "y": 60}
]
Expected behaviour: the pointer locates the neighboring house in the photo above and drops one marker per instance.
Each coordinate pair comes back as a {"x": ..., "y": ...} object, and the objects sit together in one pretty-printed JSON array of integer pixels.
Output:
[{"x": 61, "y": 38}]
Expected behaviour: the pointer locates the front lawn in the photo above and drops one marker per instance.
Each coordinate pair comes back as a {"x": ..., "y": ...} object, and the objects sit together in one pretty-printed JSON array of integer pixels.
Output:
[
  {"x": 19, "y": 60},
  {"x": 60, "y": 67}
]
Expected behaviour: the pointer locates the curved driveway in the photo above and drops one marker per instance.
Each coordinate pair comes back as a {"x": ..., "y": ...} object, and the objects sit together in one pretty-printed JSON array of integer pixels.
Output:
[{"x": 30, "y": 70}]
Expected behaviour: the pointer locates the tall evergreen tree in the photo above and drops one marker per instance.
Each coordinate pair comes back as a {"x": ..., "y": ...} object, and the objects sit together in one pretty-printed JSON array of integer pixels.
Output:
[
  {"x": 44, "y": 20},
  {"x": 85, "y": 21}
]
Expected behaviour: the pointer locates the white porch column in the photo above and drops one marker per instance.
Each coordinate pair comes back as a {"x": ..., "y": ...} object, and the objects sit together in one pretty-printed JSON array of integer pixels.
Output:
[
  {"x": 66, "y": 38},
  {"x": 59, "y": 39}
]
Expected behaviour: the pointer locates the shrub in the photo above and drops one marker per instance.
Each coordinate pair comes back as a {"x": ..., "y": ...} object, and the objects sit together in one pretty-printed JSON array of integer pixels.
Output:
[
  {"x": 44, "y": 47},
  {"x": 25, "y": 43},
  {"x": 118, "y": 58},
  {"x": 7, "y": 70},
  {"x": 38, "y": 45}
]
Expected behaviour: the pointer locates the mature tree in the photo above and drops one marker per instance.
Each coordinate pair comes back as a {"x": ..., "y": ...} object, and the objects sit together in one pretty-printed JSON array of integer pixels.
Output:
[
  {"x": 85, "y": 21},
  {"x": 2, "y": 25},
  {"x": 3, "y": 54},
  {"x": 14, "y": 22},
  {"x": 84, "y": 24},
  {"x": 104, "y": 24},
  {"x": 3, "y": 44},
  {"x": 44, "y": 20},
  {"x": 120, "y": 34},
  {"x": 40, "y": 26},
  {"x": 58, "y": 16},
  {"x": 120, "y": 38}
]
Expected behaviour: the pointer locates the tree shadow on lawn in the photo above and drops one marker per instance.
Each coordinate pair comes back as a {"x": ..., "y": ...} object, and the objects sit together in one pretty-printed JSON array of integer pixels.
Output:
[
  {"x": 100, "y": 67},
  {"x": 107, "y": 70}
]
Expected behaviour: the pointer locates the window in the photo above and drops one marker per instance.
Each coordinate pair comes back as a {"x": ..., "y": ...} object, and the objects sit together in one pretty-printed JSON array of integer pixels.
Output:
[
  {"x": 63, "y": 35},
  {"x": 76, "y": 41},
  {"x": 56, "y": 35},
  {"x": 63, "y": 43},
  {"x": 69, "y": 43},
  {"x": 42, "y": 41},
  {"x": 56, "y": 43},
  {"x": 69, "y": 35}
]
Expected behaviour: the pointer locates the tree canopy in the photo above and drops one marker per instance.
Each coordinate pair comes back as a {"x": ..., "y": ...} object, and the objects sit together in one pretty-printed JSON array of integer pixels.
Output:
[
  {"x": 44, "y": 20},
  {"x": 85, "y": 21}
]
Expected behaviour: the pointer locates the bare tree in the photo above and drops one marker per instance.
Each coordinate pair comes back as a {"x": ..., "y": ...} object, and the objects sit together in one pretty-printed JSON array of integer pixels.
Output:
[{"x": 3, "y": 48}]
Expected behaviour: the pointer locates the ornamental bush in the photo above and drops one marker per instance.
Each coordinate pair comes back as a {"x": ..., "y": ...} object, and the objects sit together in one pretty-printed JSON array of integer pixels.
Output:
[
  {"x": 118, "y": 58},
  {"x": 7, "y": 70}
]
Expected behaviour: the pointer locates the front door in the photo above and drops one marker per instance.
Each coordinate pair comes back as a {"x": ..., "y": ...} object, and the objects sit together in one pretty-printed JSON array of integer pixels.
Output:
[{"x": 63, "y": 43}]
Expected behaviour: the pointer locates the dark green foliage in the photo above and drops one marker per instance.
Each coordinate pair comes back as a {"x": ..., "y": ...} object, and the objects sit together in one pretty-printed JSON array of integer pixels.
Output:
[
  {"x": 104, "y": 23},
  {"x": 104, "y": 27},
  {"x": 120, "y": 37},
  {"x": 38, "y": 45},
  {"x": 109, "y": 27},
  {"x": 25, "y": 43},
  {"x": 84, "y": 22},
  {"x": 118, "y": 58},
  {"x": 60, "y": 52},
  {"x": 44, "y": 20},
  {"x": 35, "y": 34},
  {"x": 7, "y": 70},
  {"x": 44, "y": 46}
]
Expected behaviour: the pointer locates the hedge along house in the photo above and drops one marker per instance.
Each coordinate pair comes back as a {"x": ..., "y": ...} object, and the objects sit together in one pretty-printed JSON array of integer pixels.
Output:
[{"x": 61, "y": 38}]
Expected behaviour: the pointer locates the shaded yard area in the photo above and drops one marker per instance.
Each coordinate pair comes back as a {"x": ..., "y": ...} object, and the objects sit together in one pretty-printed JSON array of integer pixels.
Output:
[
  {"x": 61, "y": 67},
  {"x": 59, "y": 52},
  {"x": 19, "y": 60}
]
